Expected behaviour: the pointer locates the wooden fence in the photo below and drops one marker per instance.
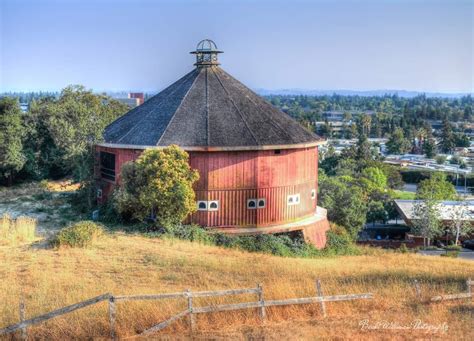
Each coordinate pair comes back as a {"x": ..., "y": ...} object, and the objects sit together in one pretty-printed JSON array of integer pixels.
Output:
[
  {"x": 261, "y": 304},
  {"x": 468, "y": 294}
]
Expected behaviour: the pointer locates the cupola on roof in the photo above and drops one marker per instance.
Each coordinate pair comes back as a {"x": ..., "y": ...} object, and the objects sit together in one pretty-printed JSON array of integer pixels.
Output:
[
  {"x": 206, "y": 53},
  {"x": 208, "y": 109}
]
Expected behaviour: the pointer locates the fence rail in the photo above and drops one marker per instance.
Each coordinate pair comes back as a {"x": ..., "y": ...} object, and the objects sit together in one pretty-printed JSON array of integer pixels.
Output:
[
  {"x": 467, "y": 294},
  {"x": 65, "y": 310}
]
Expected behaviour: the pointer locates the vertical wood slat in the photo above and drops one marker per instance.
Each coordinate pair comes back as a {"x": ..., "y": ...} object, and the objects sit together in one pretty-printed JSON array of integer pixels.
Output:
[
  {"x": 192, "y": 317},
  {"x": 262, "y": 312},
  {"x": 112, "y": 318},
  {"x": 24, "y": 332},
  {"x": 320, "y": 294}
]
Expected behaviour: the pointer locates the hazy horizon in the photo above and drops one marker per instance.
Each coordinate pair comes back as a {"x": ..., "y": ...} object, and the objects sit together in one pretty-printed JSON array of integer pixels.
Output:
[{"x": 349, "y": 45}]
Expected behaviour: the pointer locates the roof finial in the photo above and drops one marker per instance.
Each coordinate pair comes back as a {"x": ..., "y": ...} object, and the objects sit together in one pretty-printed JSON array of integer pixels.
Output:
[{"x": 206, "y": 53}]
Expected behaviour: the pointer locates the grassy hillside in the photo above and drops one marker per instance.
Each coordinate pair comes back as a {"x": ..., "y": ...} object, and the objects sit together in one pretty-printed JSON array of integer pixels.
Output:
[{"x": 125, "y": 264}]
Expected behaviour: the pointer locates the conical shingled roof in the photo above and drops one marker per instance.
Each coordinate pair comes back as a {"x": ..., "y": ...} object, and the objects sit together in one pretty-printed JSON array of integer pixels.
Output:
[{"x": 208, "y": 108}]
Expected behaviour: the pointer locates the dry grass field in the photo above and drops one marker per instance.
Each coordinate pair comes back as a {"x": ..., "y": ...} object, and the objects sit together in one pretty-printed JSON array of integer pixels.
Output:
[{"x": 125, "y": 264}]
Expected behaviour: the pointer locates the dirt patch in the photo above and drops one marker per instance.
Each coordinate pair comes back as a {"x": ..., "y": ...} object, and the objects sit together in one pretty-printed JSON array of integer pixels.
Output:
[{"x": 47, "y": 202}]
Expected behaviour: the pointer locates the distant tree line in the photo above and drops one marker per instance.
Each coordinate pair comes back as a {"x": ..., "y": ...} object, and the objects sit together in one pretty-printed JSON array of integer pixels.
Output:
[
  {"x": 404, "y": 121},
  {"x": 27, "y": 97},
  {"x": 420, "y": 107}
]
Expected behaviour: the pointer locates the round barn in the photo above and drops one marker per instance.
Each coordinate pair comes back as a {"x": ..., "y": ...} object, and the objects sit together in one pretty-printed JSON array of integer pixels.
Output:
[{"x": 258, "y": 167}]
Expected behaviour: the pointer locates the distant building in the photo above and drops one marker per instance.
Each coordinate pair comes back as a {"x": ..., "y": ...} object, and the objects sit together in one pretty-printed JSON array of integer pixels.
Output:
[
  {"x": 140, "y": 96},
  {"x": 445, "y": 209},
  {"x": 131, "y": 102}
]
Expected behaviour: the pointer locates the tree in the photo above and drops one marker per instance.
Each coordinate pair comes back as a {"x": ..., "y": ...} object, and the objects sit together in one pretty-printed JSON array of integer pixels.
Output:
[
  {"x": 394, "y": 178},
  {"x": 421, "y": 135},
  {"x": 429, "y": 148},
  {"x": 365, "y": 122},
  {"x": 397, "y": 143},
  {"x": 462, "y": 140},
  {"x": 436, "y": 187},
  {"x": 344, "y": 201},
  {"x": 426, "y": 221},
  {"x": 440, "y": 159},
  {"x": 74, "y": 123},
  {"x": 364, "y": 151},
  {"x": 447, "y": 138},
  {"x": 376, "y": 212},
  {"x": 373, "y": 180},
  {"x": 460, "y": 224},
  {"x": 158, "y": 185},
  {"x": 12, "y": 158}
]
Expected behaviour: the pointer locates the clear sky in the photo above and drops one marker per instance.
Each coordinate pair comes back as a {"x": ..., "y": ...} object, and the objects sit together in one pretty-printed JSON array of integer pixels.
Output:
[{"x": 143, "y": 44}]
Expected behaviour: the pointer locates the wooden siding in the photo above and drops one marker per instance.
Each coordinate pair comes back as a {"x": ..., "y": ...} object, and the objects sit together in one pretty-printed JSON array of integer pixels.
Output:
[{"x": 234, "y": 177}]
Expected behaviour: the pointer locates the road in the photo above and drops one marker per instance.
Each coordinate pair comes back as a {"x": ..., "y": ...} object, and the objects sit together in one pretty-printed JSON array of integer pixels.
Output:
[
  {"x": 464, "y": 254},
  {"x": 412, "y": 188}
]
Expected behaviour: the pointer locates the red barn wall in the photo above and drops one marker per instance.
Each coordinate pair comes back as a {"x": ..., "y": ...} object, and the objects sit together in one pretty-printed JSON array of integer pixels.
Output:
[{"x": 234, "y": 177}]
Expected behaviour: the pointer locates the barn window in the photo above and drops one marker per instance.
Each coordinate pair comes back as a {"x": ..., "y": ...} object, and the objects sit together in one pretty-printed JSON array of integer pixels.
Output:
[
  {"x": 202, "y": 205},
  {"x": 213, "y": 205},
  {"x": 107, "y": 166},
  {"x": 252, "y": 204},
  {"x": 261, "y": 203},
  {"x": 313, "y": 194},
  {"x": 293, "y": 199},
  {"x": 277, "y": 151},
  {"x": 99, "y": 194}
]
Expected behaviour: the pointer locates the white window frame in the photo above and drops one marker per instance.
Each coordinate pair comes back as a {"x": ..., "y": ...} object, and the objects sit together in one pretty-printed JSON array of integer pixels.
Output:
[
  {"x": 254, "y": 201},
  {"x": 210, "y": 202},
  {"x": 295, "y": 199},
  {"x": 313, "y": 194},
  {"x": 201, "y": 202},
  {"x": 264, "y": 203}
]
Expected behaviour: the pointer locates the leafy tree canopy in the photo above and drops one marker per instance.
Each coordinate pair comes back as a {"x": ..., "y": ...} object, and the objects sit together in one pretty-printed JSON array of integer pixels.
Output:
[
  {"x": 12, "y": 158},
  {"x": 373, "y": 179},
  {"x": 344, "y": 201},
  {"x": 397, "y": 143},
  {"x": 436, "y": 187}
]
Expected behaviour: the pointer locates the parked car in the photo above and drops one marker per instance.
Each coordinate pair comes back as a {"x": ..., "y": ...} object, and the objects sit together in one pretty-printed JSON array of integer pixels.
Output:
[{"x": 468, "y": 244}]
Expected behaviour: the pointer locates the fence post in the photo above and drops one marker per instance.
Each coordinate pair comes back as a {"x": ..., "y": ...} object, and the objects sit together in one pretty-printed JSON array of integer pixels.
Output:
[
  {"x": 320, "y": 294},
  {"x": 417, "y": 289},
  {"x": 24, "y": 333},
  {"x": 262, "y": 312},
  {"x": 469, "y": 289},
  {"x": 192, "y": 320},
  {"x": 112, "y": 315}
]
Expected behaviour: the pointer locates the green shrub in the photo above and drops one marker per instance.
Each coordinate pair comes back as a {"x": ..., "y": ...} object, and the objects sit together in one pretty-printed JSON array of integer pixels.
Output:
[
  {"x": 339, "y": 242},
  {"x": 80, "y": 234},
  {"x": 193, "y": 233},
  {"x": 453, "y": 248},
  {"x": 403, "y": 248},
  {"x": 158, "y": 185},
  {"x": 451, "y": 254}
]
